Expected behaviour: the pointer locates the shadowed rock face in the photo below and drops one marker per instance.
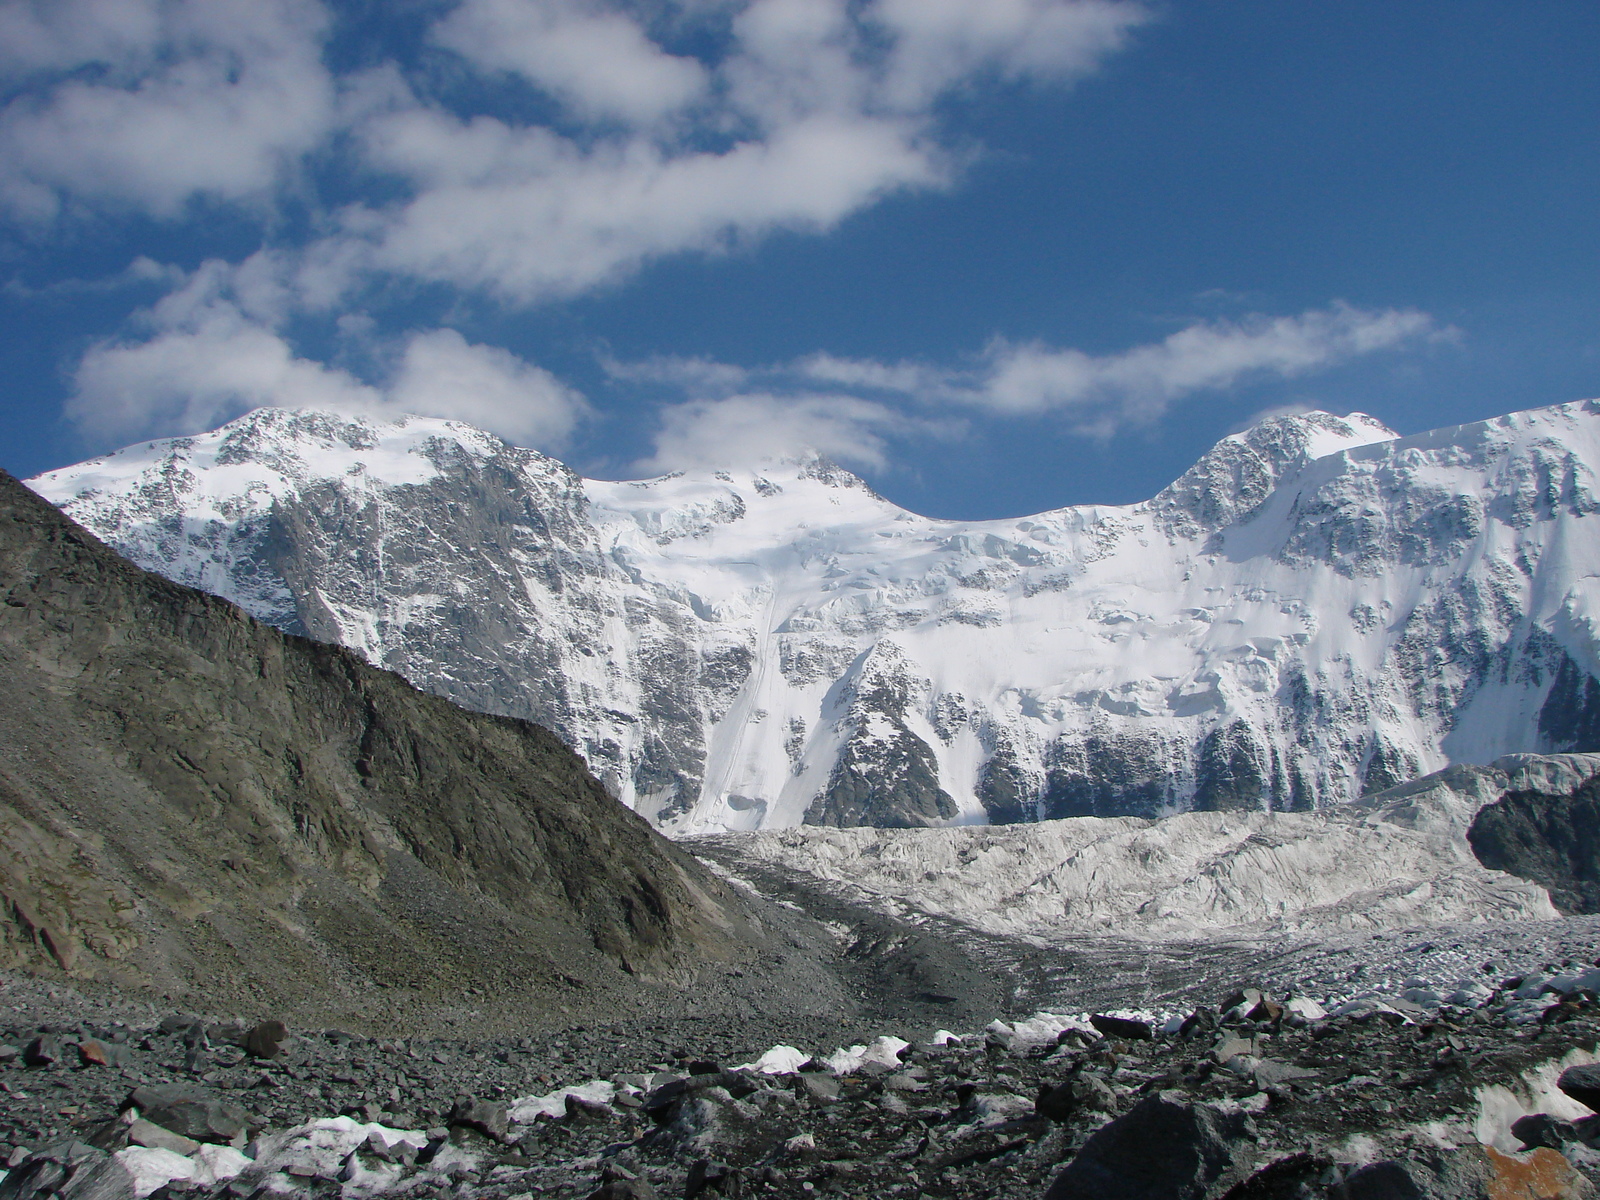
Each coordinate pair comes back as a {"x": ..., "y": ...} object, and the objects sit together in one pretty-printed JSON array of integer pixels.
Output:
[
  {"x": 192, "y": 801},
  {"x": 1551, "y": 838}
]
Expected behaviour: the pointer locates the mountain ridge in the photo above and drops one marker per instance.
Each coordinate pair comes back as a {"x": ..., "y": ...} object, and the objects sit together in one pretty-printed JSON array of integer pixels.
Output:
[{"x": 1317, "y": 609}]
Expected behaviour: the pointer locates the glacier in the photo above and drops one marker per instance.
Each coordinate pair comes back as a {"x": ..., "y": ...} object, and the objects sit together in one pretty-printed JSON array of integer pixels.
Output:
[
  {"x": 1318, "y": 610},
  {"x": 1398, "y": 859}
]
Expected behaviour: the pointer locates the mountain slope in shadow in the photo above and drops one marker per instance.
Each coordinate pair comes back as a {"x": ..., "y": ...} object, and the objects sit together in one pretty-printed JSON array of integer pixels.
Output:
[{"x": 199, "y": 807}]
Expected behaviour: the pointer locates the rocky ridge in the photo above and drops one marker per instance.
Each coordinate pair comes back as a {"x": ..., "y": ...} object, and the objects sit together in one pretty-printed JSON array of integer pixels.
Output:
[
  {"x": 195, "y": 805},
  {"x": 1316, "y": 611}
]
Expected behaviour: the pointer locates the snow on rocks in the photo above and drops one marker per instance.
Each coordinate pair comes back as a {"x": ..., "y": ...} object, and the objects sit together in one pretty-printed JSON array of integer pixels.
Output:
[
  {"x": 884, "y": 1051},
  {"x": 152, "y": 1167},
  {"x": 526, "y": 1109},
  {"x": 1396, "y": 860},
  {"x": 323, "y": 1147},
  {"x": 780, "y": 1060}
]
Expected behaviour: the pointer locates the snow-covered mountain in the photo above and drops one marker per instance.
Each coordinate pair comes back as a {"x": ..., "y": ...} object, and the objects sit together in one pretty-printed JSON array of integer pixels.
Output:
[{"x": 1317, "y": 609}]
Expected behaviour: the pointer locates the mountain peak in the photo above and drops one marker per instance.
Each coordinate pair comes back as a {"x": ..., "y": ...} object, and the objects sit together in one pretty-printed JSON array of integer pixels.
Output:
[{"x": 1236, "y": 475}]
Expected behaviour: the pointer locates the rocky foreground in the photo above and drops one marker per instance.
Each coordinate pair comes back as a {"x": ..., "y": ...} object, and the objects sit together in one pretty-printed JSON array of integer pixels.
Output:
[{"x": 1476, "y": 1089}]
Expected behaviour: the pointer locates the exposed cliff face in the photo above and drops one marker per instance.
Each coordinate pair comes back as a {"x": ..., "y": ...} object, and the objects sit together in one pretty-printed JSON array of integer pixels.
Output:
[
  {"x": 192, "y": 801},
  {"x": 1316, "y": 611}
]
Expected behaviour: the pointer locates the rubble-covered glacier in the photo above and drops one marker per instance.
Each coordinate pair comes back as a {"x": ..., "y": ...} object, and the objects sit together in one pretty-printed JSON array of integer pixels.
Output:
[{"x": 1318, "y": 610}]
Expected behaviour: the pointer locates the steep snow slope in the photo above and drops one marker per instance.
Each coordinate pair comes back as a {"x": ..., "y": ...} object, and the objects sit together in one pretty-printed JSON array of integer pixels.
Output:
[{"x": 1316, "y": 609}]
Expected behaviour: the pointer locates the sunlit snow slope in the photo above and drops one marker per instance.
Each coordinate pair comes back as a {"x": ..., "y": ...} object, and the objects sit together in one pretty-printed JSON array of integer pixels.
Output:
[{"x": 1317, "y": 609}]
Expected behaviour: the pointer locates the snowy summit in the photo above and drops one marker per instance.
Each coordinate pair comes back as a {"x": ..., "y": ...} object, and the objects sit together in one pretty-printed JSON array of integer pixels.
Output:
[{"x": 1317, "y": 609}]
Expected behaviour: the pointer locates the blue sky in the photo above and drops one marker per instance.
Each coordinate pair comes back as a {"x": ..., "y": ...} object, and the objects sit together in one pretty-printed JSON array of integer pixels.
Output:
[{"x": 997, "y": 255}]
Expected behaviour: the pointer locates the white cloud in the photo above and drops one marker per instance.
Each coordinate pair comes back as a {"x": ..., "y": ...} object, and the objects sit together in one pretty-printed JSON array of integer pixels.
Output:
[
  {"x": 800, "y": 113},
  {"x": 727, "y": 418},
  {"x": 527, "y": 216},
  {"x": 57, "y": 35},
  {"x": 1102, "y": 392},
  {"x": 208, "y": 358},
  {"x": 442, "y": 375},
  {"x": 195, "y": 377},
  {"x": 939, "y": 43},
  {"x": 599, "y": 62},
  {"x": 746, "y": 428},
  {"x": 217, "y": 98},
  {"x": 699, "y": 375}
]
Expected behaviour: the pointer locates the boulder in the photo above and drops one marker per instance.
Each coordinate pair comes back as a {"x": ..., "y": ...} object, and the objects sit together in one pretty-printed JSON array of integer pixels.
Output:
[
  {"x": 44, "y": 1051},
  {"x": 706, "y": 1176},
  {"x": 192, "y": 1111},
  {"x": 37, "y": 1177},
  {"x": 1122, "y": 1027},
  {"x": 1541, "y": 1129},
  {"x": 96, "y": 1053},
  {"x": 265, "y": 1040},
  {"x": 618, "y": 1184},
  {"x": 100, "y": 1179},
  {"x": 1471, "y": 1173},
  {"x": 147, "y": 1133},
  {"x": 488, "y": 1117},
  {"x": 1163, "y": 1146},
  {"x": 1582, "y": 1084},
  {"x": 591, "y": 1111}
]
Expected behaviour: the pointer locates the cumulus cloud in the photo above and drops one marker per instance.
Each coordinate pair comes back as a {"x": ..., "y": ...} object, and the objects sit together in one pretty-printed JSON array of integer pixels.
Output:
[
  {"x": 746, "y": 428},
  {"x": 599, "y": 63},
  {"x": 57, "y": 35},
  {"x": 207, "y": 357},
  {"x": 1101, "y": 393},
  {"x": 199, "y": 375},
  {"x": 189, "y": 98},
  {"x": 938, "y": 42},
  {"x": 796, "y": 114},
  {"x": 441, "y": 374}
]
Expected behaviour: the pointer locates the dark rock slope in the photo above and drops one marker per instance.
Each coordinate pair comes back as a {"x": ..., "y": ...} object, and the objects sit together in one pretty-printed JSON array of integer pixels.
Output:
[
  {"x": 1552, "y": 838},
  {"x": 194, "y": 803}
]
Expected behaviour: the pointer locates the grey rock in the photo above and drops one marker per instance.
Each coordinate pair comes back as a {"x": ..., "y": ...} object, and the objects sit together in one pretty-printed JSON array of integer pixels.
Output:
[
  {"x": 1164, "y": 1146},
  {"x": 706, "y": 1176},
  {"x": 143, "y": 1132},
  {"x": 94, "y": 1052},
  {"x": 1269, "y": 1073},
  {"x": 44, "y": 1051},
  {"x": 820, "y": 1087},
  {"x": 624, "y": 1189},
  {"x": 35, "y": 1177},
  {"x": 191, "y": 1111},
  {"x": 488, "y": 1117},
  {"x": 1123, "y": 1027},
  {"x": 103, "y": 1179},
  {"x": 1541, "y": 1129},
  {"x": 1582, "y": 1084},
  {"x": 266, "y": 1039}
]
